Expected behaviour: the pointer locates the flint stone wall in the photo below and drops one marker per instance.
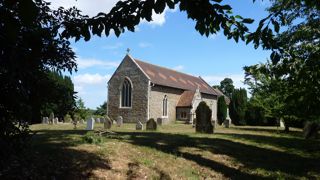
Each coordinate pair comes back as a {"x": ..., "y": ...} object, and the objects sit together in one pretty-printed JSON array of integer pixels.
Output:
[{"x": 139, "y": 108}]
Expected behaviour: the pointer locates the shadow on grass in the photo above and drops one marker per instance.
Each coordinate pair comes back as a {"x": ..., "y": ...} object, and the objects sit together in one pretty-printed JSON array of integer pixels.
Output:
[
  {"x": 309, "y": 146},
  {"x": 251, "y": 157},
  {"x": 51, "y": 156}
]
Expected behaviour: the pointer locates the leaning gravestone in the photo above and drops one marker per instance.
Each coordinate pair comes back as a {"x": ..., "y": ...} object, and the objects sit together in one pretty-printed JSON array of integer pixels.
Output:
[
  {"x": 90, "y": 124},
  {"x": 203, "y": 122},
  {"x": 151, "y": 125},
  {"x": 139, "y": 126},
  {"x": 119, "y": 121},
  {"x": 107, "y": 123}
]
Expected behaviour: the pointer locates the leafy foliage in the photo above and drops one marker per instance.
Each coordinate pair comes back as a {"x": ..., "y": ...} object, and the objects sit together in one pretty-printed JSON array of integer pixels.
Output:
[
  {"x": 238, "y": 106},
  {"x": 102, "y": 110},
  {"x": 203, "y": 115},
  {"x": 222, "y": 110},
  {"x": 92, "y": 138},
  {"x": 290, "y": 81},
  {"x": 227, "y": 87},
  {"x": 30, "y": 49},
  {"x": 81, "y": 111}
]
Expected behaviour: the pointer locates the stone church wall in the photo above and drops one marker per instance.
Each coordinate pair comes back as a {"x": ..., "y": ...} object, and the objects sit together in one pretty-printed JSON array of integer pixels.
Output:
[
  {"x": 157, "y": 94},
  {"x": 140, "y": 82},
  {"x": 212, "y": 103}
]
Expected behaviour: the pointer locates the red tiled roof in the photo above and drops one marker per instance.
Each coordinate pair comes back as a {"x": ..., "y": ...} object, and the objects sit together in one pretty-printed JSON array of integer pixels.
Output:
[
  {"x": 186, "y": 99},
  {"x": 171, "y": 78}
]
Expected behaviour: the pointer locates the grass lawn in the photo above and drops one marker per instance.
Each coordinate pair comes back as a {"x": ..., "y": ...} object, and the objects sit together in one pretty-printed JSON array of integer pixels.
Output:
[{"x": 174, "y": 151}]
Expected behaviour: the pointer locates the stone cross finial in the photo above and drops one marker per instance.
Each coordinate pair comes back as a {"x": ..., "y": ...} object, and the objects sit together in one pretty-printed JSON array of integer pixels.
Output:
[{"x": 128, "y": 50}]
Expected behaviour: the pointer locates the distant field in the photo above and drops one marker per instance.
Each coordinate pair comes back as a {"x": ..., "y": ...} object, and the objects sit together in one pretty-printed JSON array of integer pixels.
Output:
[{"x": 174, "y": 151}]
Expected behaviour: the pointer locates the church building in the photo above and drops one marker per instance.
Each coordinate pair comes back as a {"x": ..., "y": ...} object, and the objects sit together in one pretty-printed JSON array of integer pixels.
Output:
[{"x": 138, "y": 91}]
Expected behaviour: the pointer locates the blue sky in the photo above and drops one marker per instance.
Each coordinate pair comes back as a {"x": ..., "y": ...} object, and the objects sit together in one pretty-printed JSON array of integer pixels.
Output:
[{"x": 170, "y": 41}]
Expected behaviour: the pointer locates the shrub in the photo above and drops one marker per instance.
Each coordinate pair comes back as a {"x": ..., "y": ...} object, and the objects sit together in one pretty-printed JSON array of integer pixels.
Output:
[
  {"x": 203, "y": 123},
  {"x": 222, "y": 110},
  {"x": 92, "y": 138}
]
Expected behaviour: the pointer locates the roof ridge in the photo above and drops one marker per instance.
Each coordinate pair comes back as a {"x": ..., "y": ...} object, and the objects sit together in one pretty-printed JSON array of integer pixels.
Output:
[{"x": 166, "y": 68}]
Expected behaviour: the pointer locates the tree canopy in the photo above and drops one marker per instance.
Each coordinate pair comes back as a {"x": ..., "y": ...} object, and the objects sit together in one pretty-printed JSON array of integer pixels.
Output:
[{"x": 290, "y": 81}]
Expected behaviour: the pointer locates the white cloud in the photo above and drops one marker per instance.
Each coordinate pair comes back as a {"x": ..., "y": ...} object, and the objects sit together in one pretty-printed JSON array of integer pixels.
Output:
[
  {"x": 216, "y": 79},
  {"x": 178, "y": 68},
  {"x": 91, "y": 62},
  {"x": 91, "y": 8},
  {"x": 90, "y": 79},
  {"x": 144, "y": 44},
  {"x": 113, "y": 47},
  {"x": 159, "y": 19}
]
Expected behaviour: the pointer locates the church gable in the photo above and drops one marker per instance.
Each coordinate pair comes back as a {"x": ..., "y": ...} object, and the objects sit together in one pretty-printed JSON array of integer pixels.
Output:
[{"x": 128, "y": 92}]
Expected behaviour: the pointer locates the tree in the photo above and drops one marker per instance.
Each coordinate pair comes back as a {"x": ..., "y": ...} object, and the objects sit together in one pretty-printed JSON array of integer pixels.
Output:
[
  {"x": 57, "y": 95},
  {"x": 81, "y": 111},
  {"x": 293, "y": 72},
  {"x": 227, "y": 87},
  {"x": 102, "y": 110},
  {"x": 222, "y": 110},
  {"x": 237, "y": 106}
]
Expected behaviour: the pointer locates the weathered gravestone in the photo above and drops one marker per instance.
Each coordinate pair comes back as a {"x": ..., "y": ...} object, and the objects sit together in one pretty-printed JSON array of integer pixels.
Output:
[
  {"x": 226, "y": 123},
  {"x": 45, "y": 120},
  {"x": 203, "y": 122},
  {"x": 90, "y": 124},
  {"x": 107, "y": 123},
  {"x": 51, "y": 118},
  {"x": 97, "y": 120},
  {"x": 139, "y": 126},
  {"x": 55, "y": 120},
  {"x": 119, "y": 121},
  {"x": 311, "y": 129},
  {"x": 151, "y": 125},
  {"x": 281, "y": 124}
]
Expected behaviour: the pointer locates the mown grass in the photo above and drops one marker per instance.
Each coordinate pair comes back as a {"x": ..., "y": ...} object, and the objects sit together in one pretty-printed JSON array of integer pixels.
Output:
[{"x": 174, "y": 151}]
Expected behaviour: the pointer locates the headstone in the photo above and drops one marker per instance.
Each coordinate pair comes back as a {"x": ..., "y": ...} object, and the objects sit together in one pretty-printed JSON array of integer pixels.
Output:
[
  {"x": 119, "y": 121},
  {"x": 204, "y": 122},
  {"x": 310, "y": 130},
  {"x": 44, "y": 120},
  {"x": 151, "y": 125},
  {"x": 90, "y": 124},
  {"x": 55, "y": 120},
  {"x": 51, "y": 117},
  {"x": 162, "y": 121},
  {"x": 82, "y": 121},
  {"x": 107, "y": 123},
  {"x": 139, "y": 126},
  {"x": 114, "y": 122},
  {"x": 97, "y": 120},
  {"x": 226, "y": 123},
  {"x": 281, "y": 124}
]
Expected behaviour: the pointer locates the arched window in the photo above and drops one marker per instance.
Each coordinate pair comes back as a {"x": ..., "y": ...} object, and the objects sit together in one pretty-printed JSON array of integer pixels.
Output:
[
  {"x": 126, "y": 93},
  {"x": 165, "y": 106}
]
